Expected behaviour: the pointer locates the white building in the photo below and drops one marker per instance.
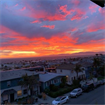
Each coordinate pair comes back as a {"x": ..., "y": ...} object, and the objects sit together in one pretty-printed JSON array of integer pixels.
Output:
[{"x": 68, "y": 70}]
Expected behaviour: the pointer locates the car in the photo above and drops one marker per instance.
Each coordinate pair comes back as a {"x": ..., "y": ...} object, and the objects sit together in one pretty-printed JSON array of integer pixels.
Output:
[
  {"x": 88, "y": 87},
  {"x": 76, "y": 92},
  {"x": 95, "y": 85},
  {"x": 103, "y": 81},
  {"x": 60, "y": 100}
]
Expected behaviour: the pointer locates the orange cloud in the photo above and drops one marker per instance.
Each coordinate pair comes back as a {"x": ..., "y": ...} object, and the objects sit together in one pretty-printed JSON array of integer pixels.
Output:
[{"x": 49, "y": 26}]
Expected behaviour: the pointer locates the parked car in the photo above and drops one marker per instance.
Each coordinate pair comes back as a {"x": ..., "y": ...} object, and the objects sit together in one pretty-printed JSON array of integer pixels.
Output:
[
  {"x": 60, "y": 100},
  {"x": 95, "y": 85},
  {"x": 76, "y": 92},
  {"x": 88, "y": 87},
  {"x": 103, "y": 81}
]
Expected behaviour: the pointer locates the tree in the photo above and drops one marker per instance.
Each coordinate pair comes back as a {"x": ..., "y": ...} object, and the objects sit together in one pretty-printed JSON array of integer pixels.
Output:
[
  {"x": 96, "y": 62},
  {"x": 29, "y": 82},
  {"x": 64, "y": 80},
  {"x": 25, "y": 82},
  {"x": 32, "y": 83},
  {"x": 97, "y": 55},
  {"x": 78, "y": 69}
]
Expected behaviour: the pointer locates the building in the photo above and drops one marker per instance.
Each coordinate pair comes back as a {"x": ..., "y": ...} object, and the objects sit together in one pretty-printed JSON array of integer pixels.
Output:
[
  {"x": 10, "y": 89},
  {"x": 68, "y": 70},
  {"x": 49, "y": 78}
]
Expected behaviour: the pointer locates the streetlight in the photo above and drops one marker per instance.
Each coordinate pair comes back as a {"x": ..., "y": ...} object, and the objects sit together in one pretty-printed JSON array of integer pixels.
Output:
[{"x": 99, "y": 2}]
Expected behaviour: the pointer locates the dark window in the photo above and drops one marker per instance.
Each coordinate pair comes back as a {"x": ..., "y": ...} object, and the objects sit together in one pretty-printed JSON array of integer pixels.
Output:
[
  {"x": 61, "y": 70},
  {"x": 55, "y": 81},
  {"x": 63, "y": 98},
  {"x": 25, "y": 91},
  {"x": 8, "y": 83}
]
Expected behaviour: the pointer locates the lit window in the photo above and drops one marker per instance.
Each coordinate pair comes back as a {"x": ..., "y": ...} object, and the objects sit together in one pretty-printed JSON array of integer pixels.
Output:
[{"x": 19, "y": 93}]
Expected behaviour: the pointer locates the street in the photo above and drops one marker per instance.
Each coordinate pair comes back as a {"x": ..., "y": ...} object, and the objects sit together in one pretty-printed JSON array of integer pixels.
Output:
[{"x": 93, "y": 97}]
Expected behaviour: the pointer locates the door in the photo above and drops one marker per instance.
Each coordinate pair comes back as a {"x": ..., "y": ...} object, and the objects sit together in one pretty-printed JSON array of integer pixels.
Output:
[{"x": 12, "y": 97}]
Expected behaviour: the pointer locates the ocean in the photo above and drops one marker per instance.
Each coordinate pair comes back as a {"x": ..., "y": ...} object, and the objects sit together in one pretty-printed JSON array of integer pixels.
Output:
[{"x": 29, "y": 59}]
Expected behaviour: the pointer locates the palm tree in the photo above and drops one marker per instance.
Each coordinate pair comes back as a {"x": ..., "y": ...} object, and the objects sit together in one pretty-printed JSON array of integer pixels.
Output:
[
  {"x": 78, "y": 69},
  {"x": 29, "y": 82},
  {"x": 96, "y": 62},
  {"x": 25, "y": 82},
  {"x": 97, "y": 55},
  {"x": 33, "y": 82}
]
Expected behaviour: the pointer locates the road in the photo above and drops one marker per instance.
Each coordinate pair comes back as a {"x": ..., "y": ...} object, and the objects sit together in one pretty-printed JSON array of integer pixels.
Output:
[{"x": 95, "y": 96}]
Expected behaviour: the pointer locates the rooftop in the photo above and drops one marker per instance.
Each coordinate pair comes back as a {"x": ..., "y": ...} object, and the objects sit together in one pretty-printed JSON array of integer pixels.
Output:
[
  {"x": 12, "y": 74},
  {"x": 66, "y": 66},
  {"x": 48, "y": 76}
]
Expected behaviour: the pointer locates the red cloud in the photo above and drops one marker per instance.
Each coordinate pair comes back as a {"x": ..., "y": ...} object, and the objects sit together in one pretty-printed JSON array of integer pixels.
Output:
[
  {"x": 46, "y": 16},
  {"x": 48, "y": 26},
  {"x": 92, "y": 8},
  {"x": 95, "y": 27},
  {"x": 79, "y": 14},
  {"x": 23, "y": 8},
  {"x": 36, "y": 21},
  {"x": 64, "y": 9}
]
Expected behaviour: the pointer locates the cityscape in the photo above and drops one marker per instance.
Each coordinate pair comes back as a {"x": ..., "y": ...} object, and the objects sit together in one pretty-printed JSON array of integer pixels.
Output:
[{"x": 52, "y": 52}]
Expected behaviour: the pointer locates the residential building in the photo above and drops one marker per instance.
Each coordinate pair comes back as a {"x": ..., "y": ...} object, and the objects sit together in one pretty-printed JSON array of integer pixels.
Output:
[
  {"x": 68, "y": 70},
  {"x": 49, "y": 78},
  {"x": 10, "y": 89}
]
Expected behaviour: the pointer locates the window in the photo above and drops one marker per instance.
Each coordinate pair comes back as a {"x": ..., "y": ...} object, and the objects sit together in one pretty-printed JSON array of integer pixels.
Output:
[
  {"x": 63, "y": 98},
  {"x": 60, "y": 70},
  {"x": 19, "y": 93},
  {"x": 55, "y": 81},
  {"x": 9, "y": 83},
  {"x": 25, "y": 91}
]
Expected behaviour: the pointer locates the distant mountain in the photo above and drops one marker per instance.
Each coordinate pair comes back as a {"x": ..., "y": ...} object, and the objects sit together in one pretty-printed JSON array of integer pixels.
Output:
[{"x": 76, "y": 54}]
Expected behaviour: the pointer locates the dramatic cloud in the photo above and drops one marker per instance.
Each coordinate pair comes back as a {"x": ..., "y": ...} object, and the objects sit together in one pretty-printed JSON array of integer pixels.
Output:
[
  {"x": 78, "y": 15},
  {"x": 33, "y": 28}
]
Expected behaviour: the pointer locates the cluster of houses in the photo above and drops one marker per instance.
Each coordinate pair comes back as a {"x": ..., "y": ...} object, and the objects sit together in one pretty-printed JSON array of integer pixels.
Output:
[{"x": 46, "y": 75}]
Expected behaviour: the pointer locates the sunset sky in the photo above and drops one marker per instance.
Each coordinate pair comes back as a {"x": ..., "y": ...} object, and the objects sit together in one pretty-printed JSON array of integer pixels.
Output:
[{"x": 32, "y": 28}]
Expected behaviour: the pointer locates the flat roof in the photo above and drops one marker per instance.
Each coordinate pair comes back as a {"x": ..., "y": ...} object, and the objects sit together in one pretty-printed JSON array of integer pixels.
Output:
[{"x": 13, "y": 74}]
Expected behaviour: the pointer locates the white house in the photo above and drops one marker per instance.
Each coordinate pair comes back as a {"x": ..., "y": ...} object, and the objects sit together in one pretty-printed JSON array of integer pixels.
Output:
[{"x": 68, "y": 70}]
